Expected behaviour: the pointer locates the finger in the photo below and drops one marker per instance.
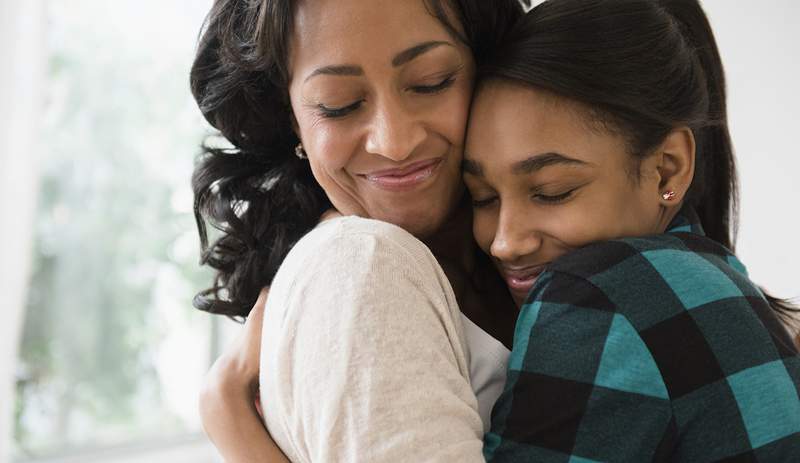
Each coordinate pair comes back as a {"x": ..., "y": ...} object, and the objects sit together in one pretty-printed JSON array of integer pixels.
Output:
[
  {"x": 256, "y": 314},
  {"x": 249, "y": 354}
]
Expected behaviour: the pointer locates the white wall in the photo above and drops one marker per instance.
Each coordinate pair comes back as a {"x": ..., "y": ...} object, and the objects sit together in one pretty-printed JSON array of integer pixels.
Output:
[
  {"x": 22, "y": 58},
  {"x": 760, "y": 47}
]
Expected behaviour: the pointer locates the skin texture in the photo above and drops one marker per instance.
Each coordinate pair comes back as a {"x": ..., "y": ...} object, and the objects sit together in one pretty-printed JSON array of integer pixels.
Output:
[
  {"x": 545, "y": 180},
  {"x": 364, "y": 102}
]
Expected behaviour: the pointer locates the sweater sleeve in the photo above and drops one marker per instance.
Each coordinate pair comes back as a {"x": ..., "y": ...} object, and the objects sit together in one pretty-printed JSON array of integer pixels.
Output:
[{"x": 363, "y": 356}]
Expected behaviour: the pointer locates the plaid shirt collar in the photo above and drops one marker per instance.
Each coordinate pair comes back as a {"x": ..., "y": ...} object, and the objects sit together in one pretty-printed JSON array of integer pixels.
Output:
[{"x": 686, "y": 221}]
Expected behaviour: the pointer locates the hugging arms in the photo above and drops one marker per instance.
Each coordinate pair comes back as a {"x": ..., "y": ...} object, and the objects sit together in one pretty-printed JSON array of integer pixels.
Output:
[{"x": 561, "y": 161}]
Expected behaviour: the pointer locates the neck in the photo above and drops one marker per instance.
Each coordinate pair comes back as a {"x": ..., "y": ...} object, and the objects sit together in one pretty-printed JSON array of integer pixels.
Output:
[
  {"x": 453, "y": 242},
  {"x": 481, "y": 294}
]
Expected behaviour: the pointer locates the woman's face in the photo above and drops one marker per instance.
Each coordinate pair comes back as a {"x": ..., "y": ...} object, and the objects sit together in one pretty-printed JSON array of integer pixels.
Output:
[
  {"x": 380, "y": 92},
  {"x": 544, "y": 181}
]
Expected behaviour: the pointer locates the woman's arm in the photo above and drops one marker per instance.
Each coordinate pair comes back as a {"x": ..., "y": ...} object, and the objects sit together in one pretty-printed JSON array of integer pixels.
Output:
[{"x": 227, "y": 401}]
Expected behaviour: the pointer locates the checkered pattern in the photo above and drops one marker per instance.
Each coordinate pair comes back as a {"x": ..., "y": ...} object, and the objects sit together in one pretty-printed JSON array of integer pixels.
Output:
[{"x": 649, "y": 349}]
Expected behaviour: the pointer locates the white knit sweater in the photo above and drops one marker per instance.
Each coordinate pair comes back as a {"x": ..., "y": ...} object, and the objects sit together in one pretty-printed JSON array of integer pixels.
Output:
[{"x": 366, "y": 356}]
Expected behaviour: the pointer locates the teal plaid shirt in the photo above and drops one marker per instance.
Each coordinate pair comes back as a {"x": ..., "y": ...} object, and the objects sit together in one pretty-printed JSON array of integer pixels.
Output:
[{"x": 648, "y": 349}]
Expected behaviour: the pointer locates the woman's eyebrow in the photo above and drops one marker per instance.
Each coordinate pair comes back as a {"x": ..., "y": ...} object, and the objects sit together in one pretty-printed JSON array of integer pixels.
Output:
[
  {"x": 342, "y": 70},
  {"x": 409, "y": 54},
  {"x": 400, "y": 59}
]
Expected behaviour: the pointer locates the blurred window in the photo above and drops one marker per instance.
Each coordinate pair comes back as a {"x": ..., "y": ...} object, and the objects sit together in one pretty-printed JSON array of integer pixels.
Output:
[{"x": 112, "y": 352}]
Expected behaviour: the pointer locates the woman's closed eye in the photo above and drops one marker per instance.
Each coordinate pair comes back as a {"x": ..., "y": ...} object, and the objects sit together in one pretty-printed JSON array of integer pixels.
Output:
[
  {"x": 435, "y": 88},
  {"x": 333, "y": 112}
]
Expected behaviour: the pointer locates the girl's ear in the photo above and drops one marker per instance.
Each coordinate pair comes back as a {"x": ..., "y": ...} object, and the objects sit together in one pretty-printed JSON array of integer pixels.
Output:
[{"x": 674, "y": 163}]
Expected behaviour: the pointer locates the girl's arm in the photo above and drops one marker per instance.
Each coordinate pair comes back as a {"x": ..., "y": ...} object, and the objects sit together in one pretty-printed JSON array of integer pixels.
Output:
[{"x": 228, "y": 399}]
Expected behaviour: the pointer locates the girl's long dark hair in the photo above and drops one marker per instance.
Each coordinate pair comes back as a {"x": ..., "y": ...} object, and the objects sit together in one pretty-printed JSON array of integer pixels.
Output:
[
  {"x": 644, "y": 67},
  {"x": 258, "y": 195}
]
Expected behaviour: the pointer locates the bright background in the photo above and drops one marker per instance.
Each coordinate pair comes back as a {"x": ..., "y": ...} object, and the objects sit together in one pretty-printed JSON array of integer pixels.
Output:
[
  {"x": 760, "y": 46},
  {"x": 101, "y": 354}
]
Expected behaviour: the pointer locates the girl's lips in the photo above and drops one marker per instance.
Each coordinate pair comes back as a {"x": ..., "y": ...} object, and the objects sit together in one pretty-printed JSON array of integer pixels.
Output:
[
  {"x": 404, "y": 178},
  {"x": 520, "y": 281}
]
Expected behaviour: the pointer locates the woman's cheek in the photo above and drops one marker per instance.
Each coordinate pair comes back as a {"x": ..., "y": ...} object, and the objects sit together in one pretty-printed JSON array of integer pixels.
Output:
[
  {"x": 459, "y": 111},
  {"x": 328, "y": 147}
]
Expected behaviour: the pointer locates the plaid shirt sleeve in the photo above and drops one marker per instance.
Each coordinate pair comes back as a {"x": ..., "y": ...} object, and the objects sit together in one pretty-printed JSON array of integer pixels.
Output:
[{"x": 646, "y": 352}]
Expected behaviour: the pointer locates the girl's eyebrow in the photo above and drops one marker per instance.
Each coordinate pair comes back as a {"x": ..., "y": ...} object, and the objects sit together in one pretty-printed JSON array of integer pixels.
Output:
[
  {"x": 471, "y": 167},
  {"x": 540, "y": 161},
  {"x": 527, "y": 166}
]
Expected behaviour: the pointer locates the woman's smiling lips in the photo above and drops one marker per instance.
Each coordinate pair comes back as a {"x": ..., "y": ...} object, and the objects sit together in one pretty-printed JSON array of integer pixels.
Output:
[
  {"x": 404, "y": 178},
  {"x": 520, "y": 280}
]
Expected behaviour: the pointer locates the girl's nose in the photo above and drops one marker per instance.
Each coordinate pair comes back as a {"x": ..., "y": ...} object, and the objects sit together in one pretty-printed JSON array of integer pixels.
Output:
[{"x": 514, "y": 238}]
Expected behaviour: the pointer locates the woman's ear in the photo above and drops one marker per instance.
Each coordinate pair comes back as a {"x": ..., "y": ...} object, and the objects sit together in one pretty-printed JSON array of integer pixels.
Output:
[{"x": 675, "y": 159}]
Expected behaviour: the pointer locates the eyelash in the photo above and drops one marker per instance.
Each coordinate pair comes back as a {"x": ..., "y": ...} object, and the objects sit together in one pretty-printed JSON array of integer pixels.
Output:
[
  {"x": 334, "y": 113},
  {"x": 430, "y": 89},
  {"x": 546, "y": 199},
  {"x": 481, "y": 203},
  {"x": 554, "y": 199}
]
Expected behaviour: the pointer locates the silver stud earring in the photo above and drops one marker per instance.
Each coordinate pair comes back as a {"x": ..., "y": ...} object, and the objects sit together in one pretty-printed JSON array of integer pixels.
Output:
[{"x": 300, "y": 152}]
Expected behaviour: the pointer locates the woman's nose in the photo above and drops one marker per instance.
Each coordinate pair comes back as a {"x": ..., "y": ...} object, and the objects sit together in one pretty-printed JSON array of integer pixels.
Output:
[
  {"x": 514, "y": 238},
  {"x": 395, "y": 132}
]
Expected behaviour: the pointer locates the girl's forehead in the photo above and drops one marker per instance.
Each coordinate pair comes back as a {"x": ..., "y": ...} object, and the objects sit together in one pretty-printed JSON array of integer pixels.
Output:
[{"x": 510, "y": 123}]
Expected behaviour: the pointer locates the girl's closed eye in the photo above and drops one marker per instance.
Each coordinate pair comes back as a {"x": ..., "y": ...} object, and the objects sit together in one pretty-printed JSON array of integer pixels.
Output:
[
  {"x": 552, "y": 199},
  {"x": 483, "y": 202}
]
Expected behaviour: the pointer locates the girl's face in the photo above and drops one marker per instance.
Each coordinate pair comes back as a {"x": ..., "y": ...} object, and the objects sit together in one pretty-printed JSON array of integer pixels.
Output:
[
  {"x": 380, "y": 92},
  {"x": 544, "y": 181}
]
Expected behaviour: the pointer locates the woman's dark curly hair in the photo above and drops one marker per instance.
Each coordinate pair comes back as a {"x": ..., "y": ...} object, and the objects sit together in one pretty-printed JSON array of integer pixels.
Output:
[{"x": 257, "y": 193}]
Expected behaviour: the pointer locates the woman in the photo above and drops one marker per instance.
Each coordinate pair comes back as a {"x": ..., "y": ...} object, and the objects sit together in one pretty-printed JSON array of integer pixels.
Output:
[{"x": 582, "y": 134}]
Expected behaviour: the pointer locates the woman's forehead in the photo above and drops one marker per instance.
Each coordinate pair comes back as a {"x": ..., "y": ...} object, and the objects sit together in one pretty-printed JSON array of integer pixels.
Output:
[{"x": 341, "y": 31}]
